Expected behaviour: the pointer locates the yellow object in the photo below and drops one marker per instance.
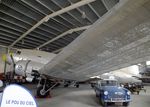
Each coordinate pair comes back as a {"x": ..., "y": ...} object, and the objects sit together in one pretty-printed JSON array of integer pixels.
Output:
[
  {"x": 11, "y": 54},
  {"x": 4, "y": 57}
]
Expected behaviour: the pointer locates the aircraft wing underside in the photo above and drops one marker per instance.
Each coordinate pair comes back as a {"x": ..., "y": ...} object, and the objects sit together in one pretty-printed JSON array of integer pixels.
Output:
[{"x": 118, "y": 39}]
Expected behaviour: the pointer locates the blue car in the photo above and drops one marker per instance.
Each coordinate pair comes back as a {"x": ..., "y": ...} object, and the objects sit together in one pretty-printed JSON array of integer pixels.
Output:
[{"x": 108, "y": 91}]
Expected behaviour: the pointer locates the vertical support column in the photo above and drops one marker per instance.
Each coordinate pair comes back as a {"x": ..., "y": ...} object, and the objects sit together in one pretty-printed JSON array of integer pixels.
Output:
[{"x": 109, "y": 3}]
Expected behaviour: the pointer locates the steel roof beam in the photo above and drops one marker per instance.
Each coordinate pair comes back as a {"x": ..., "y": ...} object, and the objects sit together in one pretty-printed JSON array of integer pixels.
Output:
[
  {"x": 94, "y": 11},
  {"x": 58, "y": 50},
  {"x": 32, "y": 19},
  {"x": 108, "y": 3},
  {"x": 44, "y": 14},
  {"x": 6, "y": 20},
  {"x": 6, "y": 13},
  {"x": 25, "y": 46},
  {"x": 11, "y": 36},
  {"x": 25, "y": 28},
  {"x": 4, "y": 30},
  {"x": 5, "y": 38},
  {"x": 63, "y": 34},
  {"x": 54, "y": 11},
  {"x": 73, "y": 6},
  {"x": 105, "y": 4},
  {"x": 81, "y": 12},
  {"x": 3, "y": 46},
  {"x": 18, "y": 31},
  {"x": 68, "y": 13},
  {"x": 70, "y": 39},
  {"x": 8, "y": 38},
  {"x": 86, "y": 15},
  {"x": 16, "y": 24},
  {"x": 19, "y": 11},
  {"x": 27, "y": 22},
  {"x": 2, "y": 42}
]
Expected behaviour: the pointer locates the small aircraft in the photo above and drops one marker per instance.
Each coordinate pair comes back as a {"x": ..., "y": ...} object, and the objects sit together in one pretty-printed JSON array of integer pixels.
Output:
[
  {"x": 121, "y": 77},
  {"x": 118, "y": 39},
  {"x": 124, "y": 75}
]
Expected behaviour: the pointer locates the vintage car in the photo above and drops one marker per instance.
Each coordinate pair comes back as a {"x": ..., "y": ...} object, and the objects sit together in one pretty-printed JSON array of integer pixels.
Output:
[{"x": 108, "y": 91}]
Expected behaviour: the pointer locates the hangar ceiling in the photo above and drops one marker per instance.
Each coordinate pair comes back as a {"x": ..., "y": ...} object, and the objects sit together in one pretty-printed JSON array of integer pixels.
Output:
[{"x": 49, "y": 25}]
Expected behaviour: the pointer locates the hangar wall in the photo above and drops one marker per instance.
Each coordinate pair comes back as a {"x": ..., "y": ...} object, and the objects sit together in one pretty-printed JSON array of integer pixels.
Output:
[{"x": 2, "y": 51}]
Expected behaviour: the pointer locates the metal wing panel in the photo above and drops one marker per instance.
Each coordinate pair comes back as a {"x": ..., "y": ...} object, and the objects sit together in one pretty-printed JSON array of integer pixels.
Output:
[{"x": 119, "y": 39}]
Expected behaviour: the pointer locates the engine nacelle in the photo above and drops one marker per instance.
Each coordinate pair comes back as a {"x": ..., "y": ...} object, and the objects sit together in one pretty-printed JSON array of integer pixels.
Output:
[{"x": 26, "y": 67}]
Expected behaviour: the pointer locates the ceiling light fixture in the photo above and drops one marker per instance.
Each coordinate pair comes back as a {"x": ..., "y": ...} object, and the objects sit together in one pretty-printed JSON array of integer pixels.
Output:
[
  {"x": 47, "y": 19},
  {"x": 83, "y": 15}
]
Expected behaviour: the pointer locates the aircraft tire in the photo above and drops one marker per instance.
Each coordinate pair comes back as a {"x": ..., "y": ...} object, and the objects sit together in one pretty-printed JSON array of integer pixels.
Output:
[
  {"x": 41, "y": 95},
  {"x": 77, "y": 86},
  {"x": 66, "y": 85}
]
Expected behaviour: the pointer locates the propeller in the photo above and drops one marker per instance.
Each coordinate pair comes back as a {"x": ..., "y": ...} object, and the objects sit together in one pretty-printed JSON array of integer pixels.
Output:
[{"x": 9, "y": 76}]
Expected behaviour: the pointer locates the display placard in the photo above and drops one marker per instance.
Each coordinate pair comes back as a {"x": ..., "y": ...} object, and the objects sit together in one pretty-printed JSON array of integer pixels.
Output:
[{"x": 17, "y": 96}]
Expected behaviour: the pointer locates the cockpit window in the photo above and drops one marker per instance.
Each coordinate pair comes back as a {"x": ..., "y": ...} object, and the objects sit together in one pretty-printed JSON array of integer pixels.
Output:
[{"x": 18, "y": 52}]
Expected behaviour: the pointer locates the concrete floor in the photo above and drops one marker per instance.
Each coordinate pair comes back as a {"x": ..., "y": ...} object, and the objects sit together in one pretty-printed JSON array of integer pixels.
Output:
[{"x": 85, "y": 97}]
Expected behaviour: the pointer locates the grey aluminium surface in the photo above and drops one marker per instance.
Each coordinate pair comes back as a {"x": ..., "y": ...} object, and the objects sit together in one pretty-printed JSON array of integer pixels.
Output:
[{"x": 119, "y": 39}]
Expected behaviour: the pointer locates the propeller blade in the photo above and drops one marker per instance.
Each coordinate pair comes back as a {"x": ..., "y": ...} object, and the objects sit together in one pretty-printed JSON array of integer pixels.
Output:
[
  {"x": 9, "y": 59},
  {"x": 4, "y": 57}
]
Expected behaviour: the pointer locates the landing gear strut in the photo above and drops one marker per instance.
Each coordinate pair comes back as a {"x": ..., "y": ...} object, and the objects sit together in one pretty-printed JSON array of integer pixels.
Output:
[
  {"x": 68, "y": 83},
  {"x": 77, "y": 85},
  {"x": 43, "y": 90}
]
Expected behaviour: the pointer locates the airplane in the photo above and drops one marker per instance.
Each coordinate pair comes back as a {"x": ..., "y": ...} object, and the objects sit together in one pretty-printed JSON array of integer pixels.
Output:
[
  {"x": 118, "y": 39},
  {"x": 124, "y": 75},
  {"x": 121, "y": 77},
  {"x": 26, "y": 61}
]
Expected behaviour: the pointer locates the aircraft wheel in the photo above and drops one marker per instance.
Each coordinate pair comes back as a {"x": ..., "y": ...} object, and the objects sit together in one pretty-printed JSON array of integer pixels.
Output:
[
  {"x": 66, "y": 85},
  {"x": 77, "y": 86},
  {"x": 41, "y": 93}
]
